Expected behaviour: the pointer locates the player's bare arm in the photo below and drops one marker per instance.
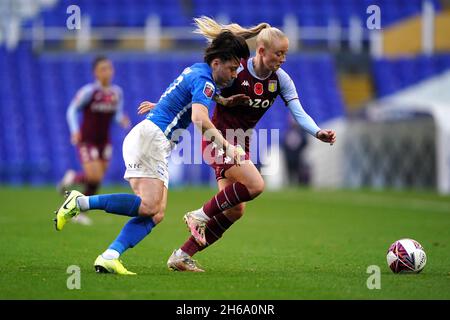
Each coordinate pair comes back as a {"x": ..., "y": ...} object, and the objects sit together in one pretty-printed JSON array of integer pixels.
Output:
[
  {"x": 125, "y": 122},
  {"x": 200, "y": 118},
  {"x": 75, "y": 138},
  {"x": 232, "y": 101},
  {"x": 145, "y": 107}
]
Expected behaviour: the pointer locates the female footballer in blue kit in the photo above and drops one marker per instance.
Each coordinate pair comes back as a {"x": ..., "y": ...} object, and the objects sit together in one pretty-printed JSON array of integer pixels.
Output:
[{"x": 148, "y": 145}]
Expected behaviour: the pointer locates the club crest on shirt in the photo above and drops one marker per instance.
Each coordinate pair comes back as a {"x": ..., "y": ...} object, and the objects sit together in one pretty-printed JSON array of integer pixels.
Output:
[
  {"x": 113, "y": 98},
  {"x": 208, "y": 89},
  {"x": 258, "y": 88},
  {"x": 272, "y": 85}
]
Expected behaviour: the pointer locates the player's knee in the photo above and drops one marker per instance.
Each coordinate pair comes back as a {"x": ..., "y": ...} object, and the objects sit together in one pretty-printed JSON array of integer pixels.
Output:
[
  {"x": 91, "y": 188},
  {"x": 255, "y": 188},
  {"x": 157, "y": 218},
  {"x": 149, "y": 209}
]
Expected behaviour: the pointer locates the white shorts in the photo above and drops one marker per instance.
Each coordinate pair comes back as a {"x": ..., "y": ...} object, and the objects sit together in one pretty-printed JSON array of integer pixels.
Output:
[{"x": 146, "y": 151}]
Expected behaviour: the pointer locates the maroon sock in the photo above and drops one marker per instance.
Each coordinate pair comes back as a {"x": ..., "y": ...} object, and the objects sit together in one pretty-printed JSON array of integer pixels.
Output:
[
  {"x": 214, "y": 231},
  {"x": 90, "y": 189},
  {"x": 191, "y": 246},
  {"x": 227, "y": 198},
  {"x": 80, "y": 178},
  {"x": 215, "y": 228}
]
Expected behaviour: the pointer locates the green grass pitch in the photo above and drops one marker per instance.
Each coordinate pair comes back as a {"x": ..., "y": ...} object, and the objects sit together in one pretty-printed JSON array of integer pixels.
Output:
[{"x": 294, "y": 244}]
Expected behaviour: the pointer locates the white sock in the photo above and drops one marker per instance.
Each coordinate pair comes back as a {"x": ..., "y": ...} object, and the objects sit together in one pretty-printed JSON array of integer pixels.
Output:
[
  {"x": 83, "y": 203},
  {"x": 201, "y": 214},
  {"x": 110, "y": 254},
  {"x": 180, "y": 252}
]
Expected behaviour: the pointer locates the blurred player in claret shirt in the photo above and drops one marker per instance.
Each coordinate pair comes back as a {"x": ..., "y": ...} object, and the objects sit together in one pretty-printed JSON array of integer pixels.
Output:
[
  {"x": 100, "y": 103},
  {"x": 240, "y": 105}
]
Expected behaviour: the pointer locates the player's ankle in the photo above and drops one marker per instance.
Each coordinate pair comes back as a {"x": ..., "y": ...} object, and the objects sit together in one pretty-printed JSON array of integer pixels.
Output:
[
  {"x": 110, "y": 254},
  {"x": 180, "y": 253},
  {"x": 83, "y": 203},
  {"x": 200, "y": 214}
]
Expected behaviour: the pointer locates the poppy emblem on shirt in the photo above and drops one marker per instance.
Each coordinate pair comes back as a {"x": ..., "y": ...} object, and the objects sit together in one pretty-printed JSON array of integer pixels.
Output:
[
  {"x": 272, "y": 85},
  {"x": 258, "y": 88},
  {"x": 108, "y": 98},
  {"x": 208, "y": 89}
]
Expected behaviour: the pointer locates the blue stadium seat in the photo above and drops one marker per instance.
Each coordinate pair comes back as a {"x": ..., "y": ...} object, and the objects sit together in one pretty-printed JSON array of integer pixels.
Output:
[
  {"x": 391, "y": 75},
  {"x": 134, "y": 13}
]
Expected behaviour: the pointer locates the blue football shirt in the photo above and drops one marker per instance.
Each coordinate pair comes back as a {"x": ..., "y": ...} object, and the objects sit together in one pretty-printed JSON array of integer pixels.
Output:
[{"x": 174, "y": 109}]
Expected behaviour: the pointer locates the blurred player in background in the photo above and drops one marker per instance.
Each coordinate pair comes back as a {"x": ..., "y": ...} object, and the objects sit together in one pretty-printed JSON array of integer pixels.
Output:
[
  {"x": 240, "y": 106},
  {"x": 100, "y": 103},
  {"x": 148, "y": 145}
]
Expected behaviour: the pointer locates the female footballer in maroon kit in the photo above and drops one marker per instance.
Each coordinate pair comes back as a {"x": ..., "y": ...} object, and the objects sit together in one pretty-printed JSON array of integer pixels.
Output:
[
  {"x": 100, "y": 103},
  {"x": 260, "y": 80}
]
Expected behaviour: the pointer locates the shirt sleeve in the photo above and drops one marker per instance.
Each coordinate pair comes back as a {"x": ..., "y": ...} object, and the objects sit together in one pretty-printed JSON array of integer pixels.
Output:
[
  {"x": 119, "y": 111},
  {"x": 288, "y": 92},
  {"x": 78, "y": 102},
  {"x": 202, "y": 91},
  {"x": 302, "y": 118}
]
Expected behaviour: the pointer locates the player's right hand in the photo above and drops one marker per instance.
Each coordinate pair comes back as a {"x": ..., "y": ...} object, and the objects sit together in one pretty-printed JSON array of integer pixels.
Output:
[
  {"x": 145, "y": 107},
  {"x": 236, "y": 153},
  {"x": 75, "y": 138}
]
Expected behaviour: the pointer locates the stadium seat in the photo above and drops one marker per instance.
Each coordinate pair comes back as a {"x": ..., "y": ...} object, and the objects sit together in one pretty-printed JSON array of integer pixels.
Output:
[{"x": 391, "y": 75}]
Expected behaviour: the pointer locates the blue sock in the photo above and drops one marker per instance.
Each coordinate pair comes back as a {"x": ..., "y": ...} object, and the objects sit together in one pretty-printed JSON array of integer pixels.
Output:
[
  {"x": 133, "y": 232},
  {"x": 118, "y": 203}
]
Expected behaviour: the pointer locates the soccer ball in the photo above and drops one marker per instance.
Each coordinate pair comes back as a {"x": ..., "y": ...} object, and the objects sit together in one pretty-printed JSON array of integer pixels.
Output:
[{"x": 406, "y": 255}]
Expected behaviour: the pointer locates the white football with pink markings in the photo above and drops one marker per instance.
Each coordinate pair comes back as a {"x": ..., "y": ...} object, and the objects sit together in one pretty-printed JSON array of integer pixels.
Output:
[{"x": 406, "y": 256}]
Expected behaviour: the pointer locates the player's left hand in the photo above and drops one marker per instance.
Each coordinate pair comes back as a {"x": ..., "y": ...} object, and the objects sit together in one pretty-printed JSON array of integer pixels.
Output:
[
  {"x": 145, "y": 107},
  {"x": 125, "y": 122},
  {"x": 236, "y": 100},
  {"x": 326, "y": 135}
]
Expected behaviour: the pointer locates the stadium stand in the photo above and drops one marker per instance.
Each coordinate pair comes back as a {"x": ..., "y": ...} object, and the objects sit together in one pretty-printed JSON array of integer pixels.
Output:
[
  {"x": 393, "y": 74},
  {"x": 35, "y": 144},
  {"x": 179, "y": 12},
  {"x": 37, "y": 88}
]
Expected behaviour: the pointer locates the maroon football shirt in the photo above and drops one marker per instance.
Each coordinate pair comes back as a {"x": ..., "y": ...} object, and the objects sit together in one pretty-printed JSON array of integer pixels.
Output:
[
  {"x": 262, "y": 93},
  {"x": 99, "y": 106}
]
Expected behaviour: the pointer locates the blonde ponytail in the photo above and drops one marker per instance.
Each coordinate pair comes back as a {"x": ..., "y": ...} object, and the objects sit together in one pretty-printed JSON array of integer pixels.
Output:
[{"x": 210, "y": 29}]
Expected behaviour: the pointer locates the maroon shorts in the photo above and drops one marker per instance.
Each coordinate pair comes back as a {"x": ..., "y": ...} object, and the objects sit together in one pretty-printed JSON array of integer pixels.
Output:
[
  {"x": 90, "y": 152},
  {"x": 217, "y": 159}
]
